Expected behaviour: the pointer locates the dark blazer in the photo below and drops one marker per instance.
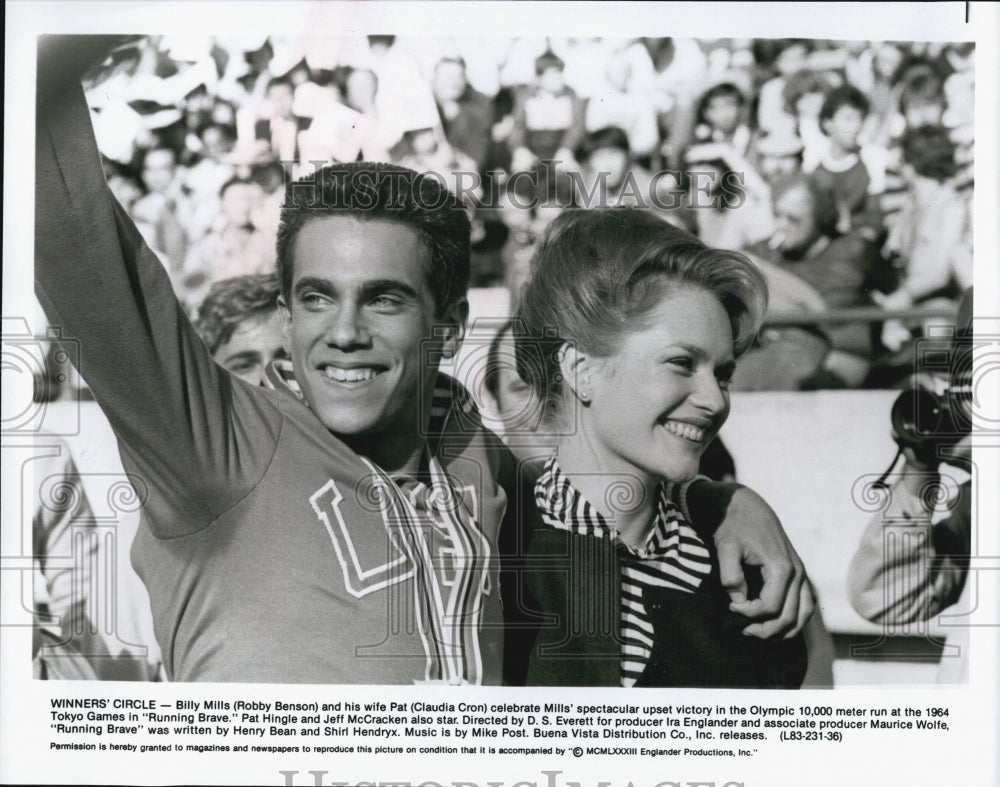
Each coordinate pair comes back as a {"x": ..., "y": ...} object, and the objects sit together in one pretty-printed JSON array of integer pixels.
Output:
[{"x": 563, "y": 616}]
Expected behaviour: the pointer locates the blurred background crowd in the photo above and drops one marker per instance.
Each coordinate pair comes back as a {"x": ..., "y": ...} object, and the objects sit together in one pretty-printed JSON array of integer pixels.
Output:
[{"x": 844, "y": 169}]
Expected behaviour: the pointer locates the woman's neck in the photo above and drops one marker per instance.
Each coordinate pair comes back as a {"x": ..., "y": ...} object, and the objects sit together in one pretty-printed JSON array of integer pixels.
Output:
[{"x": 623, "y": 494}]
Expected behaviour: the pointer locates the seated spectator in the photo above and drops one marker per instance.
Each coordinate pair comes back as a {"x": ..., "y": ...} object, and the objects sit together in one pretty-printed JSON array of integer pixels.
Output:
[
  {"x": 809, "y": 268},
  {"x": 530, "y": 205},
  {"x": 466, "y": 115},
  {"x": 721, "y": 114},
  {"x": 790, "y": 58},
  {"x": 730, "y": 201},
  {"x": 921, "y": 102},
  {"x": 279, "y": 127},
  {"x": 361, "y": 88},
  {"x": 425, "y": 150},
  {"x": 931, "y": 235},
  {"x": 804, "y": 94},
  {"x": 778, "y": 155},
  {"x": 160, "y": 208},
  {"x": 236, "y": 245},
  {"x": 240, "y": 324},
  {"x": 850, "y": 174},
  {"x": 548, "y": 118},
  {"x": 608, "y": 176},
  {"x": 617, "y": 104}
]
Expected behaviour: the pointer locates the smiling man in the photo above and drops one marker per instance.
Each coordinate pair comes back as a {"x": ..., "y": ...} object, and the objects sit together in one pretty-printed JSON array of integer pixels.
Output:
[{"x": 340, "y": 523}]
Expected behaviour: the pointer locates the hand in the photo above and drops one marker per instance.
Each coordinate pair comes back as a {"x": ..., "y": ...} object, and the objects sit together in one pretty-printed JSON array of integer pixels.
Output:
[{"x": 749, "y": 534}]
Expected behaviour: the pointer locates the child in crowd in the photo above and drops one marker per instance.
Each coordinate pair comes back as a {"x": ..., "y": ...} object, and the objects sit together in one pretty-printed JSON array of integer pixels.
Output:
[
  {"x": 720, "y": 115},
  {"x": 803, "y": 94},
  {"x": 549, "y": 118},
  {"x": 850, "y": 174}
]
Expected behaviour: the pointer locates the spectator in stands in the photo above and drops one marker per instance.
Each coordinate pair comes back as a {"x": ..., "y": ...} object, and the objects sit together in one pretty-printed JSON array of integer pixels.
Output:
[
  {"x": 721, "y": 115},
  {"x": 160, "y": 208},
  {"x": 789, "y": 59},
  {"x": 240, "y": 324},
  {"x": 467, "y": 115},
  {"x": 921, "y": 102},
  {"x": 236, "y": 244},
  {"x": 617, "y": 104},
  {"x": 804, "y": 94},
  {"x": 608, "y": 174},
  {"x": 850, "y": 174},
  {"x": 730, "y": 201},
  {"x": 549, "y": 119},
  {"x": 778, "y": 155},
  {"x": 809, "y": 268},
  {"x": 279, "y": 129},
  {"x": 530, "y": 205},
  {"x": 931, "y": 235},
  {"x": 921, "y": 99}
]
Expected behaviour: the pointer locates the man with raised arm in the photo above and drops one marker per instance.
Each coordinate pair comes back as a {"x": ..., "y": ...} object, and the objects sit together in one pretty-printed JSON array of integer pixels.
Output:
[{"x": 339, "y": 525}]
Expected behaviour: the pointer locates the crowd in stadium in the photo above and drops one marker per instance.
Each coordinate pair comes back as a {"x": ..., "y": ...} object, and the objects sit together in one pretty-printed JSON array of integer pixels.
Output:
[{"x": 844, "y": 169}]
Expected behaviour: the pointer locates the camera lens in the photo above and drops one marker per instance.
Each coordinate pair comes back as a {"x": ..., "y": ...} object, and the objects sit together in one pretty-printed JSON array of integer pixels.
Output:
[{"x": 916, "y": 417}]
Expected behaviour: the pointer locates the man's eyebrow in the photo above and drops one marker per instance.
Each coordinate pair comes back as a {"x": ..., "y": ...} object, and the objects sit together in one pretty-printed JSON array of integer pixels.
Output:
[
  {"x": 368, "y": 289},
  {"x": 313, "y": 283},
  {"x": 375, "y": 287}
]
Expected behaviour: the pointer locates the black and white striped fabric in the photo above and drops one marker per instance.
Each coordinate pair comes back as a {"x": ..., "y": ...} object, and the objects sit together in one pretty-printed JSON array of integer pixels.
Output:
[{"x": 674, "y": 557}]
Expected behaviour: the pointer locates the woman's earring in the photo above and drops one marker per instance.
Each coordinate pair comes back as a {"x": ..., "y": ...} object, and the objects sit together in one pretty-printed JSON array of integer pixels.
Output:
[{"x": 585, "y": 395}]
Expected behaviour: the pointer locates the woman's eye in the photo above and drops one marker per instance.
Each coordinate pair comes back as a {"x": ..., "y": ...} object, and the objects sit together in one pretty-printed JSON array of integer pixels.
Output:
[{"x": 687, "y": 364}]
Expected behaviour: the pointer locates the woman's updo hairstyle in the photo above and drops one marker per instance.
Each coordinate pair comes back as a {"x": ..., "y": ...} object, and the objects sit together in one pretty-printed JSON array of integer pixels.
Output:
[{"x": 596, "y": 275}]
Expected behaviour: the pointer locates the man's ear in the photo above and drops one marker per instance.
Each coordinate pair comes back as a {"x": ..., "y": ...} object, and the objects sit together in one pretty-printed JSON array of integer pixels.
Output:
[
  {"x": 286, "y": 324},
  {"x": 453, "y": 335},
  {"x": 575, "y": 368}
]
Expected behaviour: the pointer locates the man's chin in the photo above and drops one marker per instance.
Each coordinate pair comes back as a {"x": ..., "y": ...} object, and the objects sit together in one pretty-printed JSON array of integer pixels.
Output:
[{"x": 348, "y": 424}]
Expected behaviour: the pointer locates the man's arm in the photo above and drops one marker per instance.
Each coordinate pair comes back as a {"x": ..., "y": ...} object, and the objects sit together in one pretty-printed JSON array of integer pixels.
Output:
[
  {"x": 748, "y": 533},
  {"x": 195, "y": 435},
  {"x": 906, "y": 570}
]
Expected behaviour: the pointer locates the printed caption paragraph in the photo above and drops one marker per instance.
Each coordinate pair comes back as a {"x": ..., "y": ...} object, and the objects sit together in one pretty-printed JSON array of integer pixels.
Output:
[{"x": 407, "y": 727}]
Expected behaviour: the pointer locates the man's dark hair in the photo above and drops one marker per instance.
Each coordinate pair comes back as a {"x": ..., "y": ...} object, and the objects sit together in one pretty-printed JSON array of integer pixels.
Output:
[
  {"x": 365, "y": 191},
  {"x": 823, "y": 206},
  {"x": 803, "y": 83},
  {"x": 231, "y": 302},
  {"x": 607, "y": 137},
  {"x": 845, "y": 95},
  {"x": 930, "y": 151},
  {"x": 722, "y": 90},
  {"x": 548, "y": 59},
  {"x": 457, "y": 60},
  {"x": 923, "y": 87},
  {"x": 235, "y": 181}
]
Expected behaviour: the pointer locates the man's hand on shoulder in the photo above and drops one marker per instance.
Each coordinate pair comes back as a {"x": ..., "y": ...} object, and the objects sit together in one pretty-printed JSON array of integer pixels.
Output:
[{"x": 749, "y": 534}]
